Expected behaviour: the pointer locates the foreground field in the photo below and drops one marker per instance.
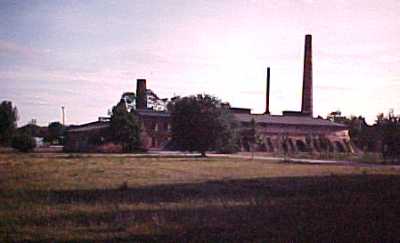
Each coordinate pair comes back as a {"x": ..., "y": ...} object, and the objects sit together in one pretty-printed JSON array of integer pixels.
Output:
[{"x": 57, "y": 197}]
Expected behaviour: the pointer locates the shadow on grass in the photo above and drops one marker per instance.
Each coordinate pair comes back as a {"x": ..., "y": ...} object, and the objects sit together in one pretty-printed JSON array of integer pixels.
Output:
[
  {"x": 297, "y": 209},
  {"x": 340, "y": 186}
]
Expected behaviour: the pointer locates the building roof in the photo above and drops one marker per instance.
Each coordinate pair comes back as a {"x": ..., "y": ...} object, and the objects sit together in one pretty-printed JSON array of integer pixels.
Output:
[
  {"x": 262, "y": 118},
  {"x": 286, "y": 120},
  {"x": 153, "y": 113},
  {"x": 299, "y": 120},
  {"x": 89, "y": 126},
  {"x": 291, "y": 120}
]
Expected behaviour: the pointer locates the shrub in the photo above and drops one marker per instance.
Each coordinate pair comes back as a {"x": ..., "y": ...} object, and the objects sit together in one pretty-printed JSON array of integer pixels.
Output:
[{"x": 23, "y": 142}]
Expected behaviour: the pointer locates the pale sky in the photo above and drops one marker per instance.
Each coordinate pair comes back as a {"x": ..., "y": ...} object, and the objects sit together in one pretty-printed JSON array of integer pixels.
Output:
[{"x": 85, "y": 54}]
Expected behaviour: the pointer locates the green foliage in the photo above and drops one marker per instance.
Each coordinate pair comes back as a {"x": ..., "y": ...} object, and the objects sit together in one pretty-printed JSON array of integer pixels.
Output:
[
  {"x": 8, "y": 121},
  {"x": 23, "y": 142},
  {"x": 32, "y": 129},
  {"x": 252, "y": 131},
  {"x": 362, "y": 135},
  {"x": 125, "y": 128},
  {"x": 251, "y": 138},
  {"x": 382, "y": 137},
  {"x": 130, "y": 100},
  {"x": 228, "y": 139},
  {"x": 200, "y": 123},
  {"x": 55, "y": 131},
  {"x": 390, "y": 127}
]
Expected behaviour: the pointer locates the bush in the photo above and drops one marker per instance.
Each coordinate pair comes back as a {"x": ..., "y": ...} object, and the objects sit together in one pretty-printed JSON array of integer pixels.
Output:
[{"x": 23, "y": 142}]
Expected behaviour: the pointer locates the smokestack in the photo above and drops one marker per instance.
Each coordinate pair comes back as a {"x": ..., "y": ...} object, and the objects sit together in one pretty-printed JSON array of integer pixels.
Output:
[
  {"x": 267, "y": 94},
  {"x": 307, "y": 98},
  {"x": 141, "y": 97}
]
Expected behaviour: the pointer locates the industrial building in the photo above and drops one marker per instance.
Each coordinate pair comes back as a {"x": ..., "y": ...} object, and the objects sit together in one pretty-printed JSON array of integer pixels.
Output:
[{"x": 292, "y": 132}]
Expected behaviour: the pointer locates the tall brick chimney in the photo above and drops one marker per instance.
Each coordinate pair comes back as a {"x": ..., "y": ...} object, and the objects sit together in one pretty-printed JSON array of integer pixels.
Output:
[
  {"x": 141, "y": 98},
  {"x": 267, "y": 94},
  {"x": 307, "y": 98}
]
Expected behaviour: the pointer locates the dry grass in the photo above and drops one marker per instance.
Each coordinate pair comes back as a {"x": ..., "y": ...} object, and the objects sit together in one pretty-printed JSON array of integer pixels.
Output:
[{"x": 59, "y": 197}]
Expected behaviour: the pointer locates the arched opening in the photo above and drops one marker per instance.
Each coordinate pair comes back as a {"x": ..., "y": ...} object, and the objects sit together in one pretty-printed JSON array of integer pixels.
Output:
[
  {"x": 323, "y": 142},
  {"x": 271, "y": 147},
  {"x": 330, "y": 146},
  {"x": 246, "y": 145},
  {"x": 316, "y": 145},
  {"x": 291, "y": 145},
  {"x": 262, "y": 147},
  {"x": 339, "y": 147},
  {"x": 347, "y": 143},
  {"x": 284, "y": 147},
  {"x": 301, "y": 146}
]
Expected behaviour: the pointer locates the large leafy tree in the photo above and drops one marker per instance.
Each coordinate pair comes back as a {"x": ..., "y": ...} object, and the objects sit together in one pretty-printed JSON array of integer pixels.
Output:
[
  {"x": 199, "y": 123},
  {"x": 8, "y": 121},
  {"x": 125, "y": 128},
  {"x": 55, "y": 131},
  {"x": 390, "y": 130}
]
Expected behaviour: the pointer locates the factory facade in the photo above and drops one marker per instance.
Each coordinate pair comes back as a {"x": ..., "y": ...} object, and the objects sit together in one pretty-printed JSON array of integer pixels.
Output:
[{"x": 292, "y": 132}]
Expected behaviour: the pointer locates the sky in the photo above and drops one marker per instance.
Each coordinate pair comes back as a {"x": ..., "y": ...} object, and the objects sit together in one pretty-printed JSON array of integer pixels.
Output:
[{"x": 84, "y": 54}]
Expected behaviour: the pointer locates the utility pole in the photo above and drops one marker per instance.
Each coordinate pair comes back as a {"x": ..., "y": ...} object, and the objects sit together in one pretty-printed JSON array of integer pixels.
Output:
[
  {"x": 63, "y": 124},
  {"x": 63, "y": 115}
]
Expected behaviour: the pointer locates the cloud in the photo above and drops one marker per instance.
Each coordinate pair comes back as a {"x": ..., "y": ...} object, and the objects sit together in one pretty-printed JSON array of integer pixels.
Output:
[
  {"x": 387, "y": 58},
  {"x": 12, "y": 48}
]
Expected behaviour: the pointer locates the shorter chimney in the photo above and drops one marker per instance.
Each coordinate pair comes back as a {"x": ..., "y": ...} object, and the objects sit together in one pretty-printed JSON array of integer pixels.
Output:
[
  {"x": 267, "y": 94},
  {"x": 141, "y": 97}
]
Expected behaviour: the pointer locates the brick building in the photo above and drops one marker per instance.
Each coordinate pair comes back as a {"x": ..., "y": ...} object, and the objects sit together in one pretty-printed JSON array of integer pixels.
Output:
[{"x": 293, "y": 131}]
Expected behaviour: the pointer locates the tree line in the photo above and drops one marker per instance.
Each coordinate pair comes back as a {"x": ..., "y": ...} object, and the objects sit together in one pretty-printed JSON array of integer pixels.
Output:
[
  {"x": 383, "y": 136},
  {"x": 22, "y": 138},
  {"x": 199, "y": 123}
]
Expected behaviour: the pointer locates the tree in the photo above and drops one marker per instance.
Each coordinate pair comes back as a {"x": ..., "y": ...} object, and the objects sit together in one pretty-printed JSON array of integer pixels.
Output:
[
  {"x": 55, "y": 131},
  {"x": 229, "y": 139},
  {"x": 130, "y": 100},
  {"x": 381, "y": 137},
  {"x": 8, "y": 121},
  {"x": 252, "y": 136},
  {"x": 31, "y": 129},
  {"x": 199, "y": 123},
  {"x": 335, "y": 116},
  {"x": 23, "y": 142},
  {"x": 390, "y": 131},
  {"x": 362, "y": 135},
  {"x": 125, "y": 128}
]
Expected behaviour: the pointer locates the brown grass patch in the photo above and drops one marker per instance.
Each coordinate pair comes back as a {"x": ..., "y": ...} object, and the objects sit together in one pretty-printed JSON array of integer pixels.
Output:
[{"x": 85, "y": 198}]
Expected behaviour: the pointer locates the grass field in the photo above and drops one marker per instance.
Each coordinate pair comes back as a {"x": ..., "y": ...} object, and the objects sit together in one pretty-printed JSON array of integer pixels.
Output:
[{"x": 60, "y": 198}]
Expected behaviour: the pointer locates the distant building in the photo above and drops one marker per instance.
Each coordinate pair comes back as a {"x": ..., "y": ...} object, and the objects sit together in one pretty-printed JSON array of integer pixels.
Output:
[{"x": 293, "y": 131}]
